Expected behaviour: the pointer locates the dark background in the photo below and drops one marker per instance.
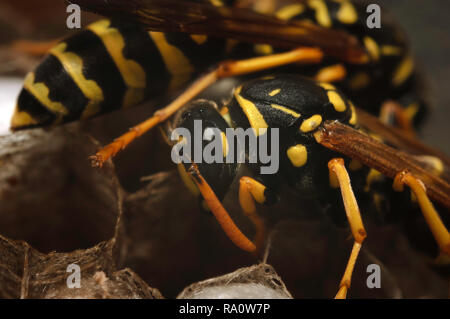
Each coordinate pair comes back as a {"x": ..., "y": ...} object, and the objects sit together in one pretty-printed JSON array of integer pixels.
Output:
[{"x": 428, "y": 27}]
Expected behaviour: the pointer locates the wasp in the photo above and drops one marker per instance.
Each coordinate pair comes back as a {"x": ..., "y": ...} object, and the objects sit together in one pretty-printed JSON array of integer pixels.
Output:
[{"x": 331, "y": 69}]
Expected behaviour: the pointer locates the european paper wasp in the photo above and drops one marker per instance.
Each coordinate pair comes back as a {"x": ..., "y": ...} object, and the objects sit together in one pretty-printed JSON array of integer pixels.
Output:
[{"x": 119, "y": 63}]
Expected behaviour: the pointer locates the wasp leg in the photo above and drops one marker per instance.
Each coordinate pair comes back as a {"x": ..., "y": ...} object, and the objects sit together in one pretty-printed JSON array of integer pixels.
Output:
[
  {"x": 392, "y": 112},
  {"x": 220, "y": 213},
  {"x": 250, "y": 191},
  {"x": 339, "y": 178},
  {"x": 437, "y": 227},
  {"x": 332, "y": 73},
  {"x": 223, "y": 70},
  {"x": 36, "y": 48}
]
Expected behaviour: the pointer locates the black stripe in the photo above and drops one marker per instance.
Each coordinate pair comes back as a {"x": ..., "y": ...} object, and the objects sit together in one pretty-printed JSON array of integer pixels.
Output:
[
  {"x": 28, "y": 103},
  {"x": 140, "y": 48},
  {"x": 99, "y": 67},
  {"x": 62, "y": 88},
  {"x": 201, "y": 56}
]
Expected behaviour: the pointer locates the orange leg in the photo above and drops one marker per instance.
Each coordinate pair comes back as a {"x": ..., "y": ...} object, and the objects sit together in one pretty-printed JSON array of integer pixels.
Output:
[
  {"x": 219, "y": 212},
  {"x": 250, "y": 191},
  {"x": 225, "y": 69},
  {"x": 339, "y": 178},
  {"x": 430, "y": 214}
]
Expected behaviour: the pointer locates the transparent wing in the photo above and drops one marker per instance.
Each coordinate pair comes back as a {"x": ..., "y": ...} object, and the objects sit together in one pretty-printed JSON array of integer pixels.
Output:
[{"x": 202, "y": 17}]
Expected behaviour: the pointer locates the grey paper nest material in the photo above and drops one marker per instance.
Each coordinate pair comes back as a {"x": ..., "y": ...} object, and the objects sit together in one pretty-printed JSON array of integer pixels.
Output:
[
  {"x": 255, "y": 282},
  {"x": 47, "y": 198}
]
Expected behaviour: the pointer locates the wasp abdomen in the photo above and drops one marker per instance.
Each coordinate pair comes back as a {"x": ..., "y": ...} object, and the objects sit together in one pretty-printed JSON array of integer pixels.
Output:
[{"x": 109, "y": 66}]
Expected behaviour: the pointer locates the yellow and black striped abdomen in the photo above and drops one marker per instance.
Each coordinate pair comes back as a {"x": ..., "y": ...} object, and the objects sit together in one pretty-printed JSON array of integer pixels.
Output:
[{"x": 109, "y": 66}]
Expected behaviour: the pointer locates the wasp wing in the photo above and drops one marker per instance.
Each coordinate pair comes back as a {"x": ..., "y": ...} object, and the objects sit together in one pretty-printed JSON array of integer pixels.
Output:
[
  {"x": 397, "y": 137},
  {"x": 385, "y": 159},
  {"x": 202, "y": 17}
]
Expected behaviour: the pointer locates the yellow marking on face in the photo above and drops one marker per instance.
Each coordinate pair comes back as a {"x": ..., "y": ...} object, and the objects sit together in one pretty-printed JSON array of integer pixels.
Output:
[
  {"x": 359, "y": 81},
  {"x": 285, "y": 110},
  {"x": 322, "y": 14},
  {"x": 132, "y": 72},
  {"x": 255, "y": 118},
  {"x": 372, "y": 177},
  {"x": 199, "y": 38},
  {"x": 355, "y": 165},
  {"x": 298, "y": 155},
  {"x": 403, "y": 71},
  {"x": 373, "y": 48},
  {"x": 354, "y": 118},
  {"x": 225, "y": 146},
  {"x": 311, "y": 124},
  {"x": 327, "y": 86},
  {"x": 347, "y": 13},
  {"x": 178, "y": 65},
  {"x": 263, "y": 49},
  {"x": 290, "y": 11},
  {"x": 187, "y": 180},
  {"x": 21, "y": 119},
  {"x": 337, "y": 101},
  {"x": 391, "y": 50},
  {"x": 40, "y": 91},
  {"x": 275, "y": 92}
]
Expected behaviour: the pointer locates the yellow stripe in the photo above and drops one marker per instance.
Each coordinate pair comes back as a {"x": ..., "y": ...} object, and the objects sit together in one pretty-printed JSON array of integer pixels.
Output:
[
  {"x": 255, "y": 118},
  {"x": 327, "y": 86},
  {"x": 178, "y": 65},
  {"x": 132, "y": 73},
  {"x": 290, "y": 11},
  {"x": 337, "y": 101},
  {"x": 21, "y": 119},
  {"x": 217, "y": 3},
  {"x": 73, "y": 65},
  {"x": 411, "y": 110},
  {"x": 347, "y": 13},
  {"x": 285, "y": 110},
  {"x": 391, "y": 50},
  {"x": 40, "y": 91},
  {"x": 322, "y": 14},
  {"x": 373, "y": 48},
  {"x": 354, "y": 118},
  {"x": 275, "y": 92},
  {"x": 403, "y": 71}
]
